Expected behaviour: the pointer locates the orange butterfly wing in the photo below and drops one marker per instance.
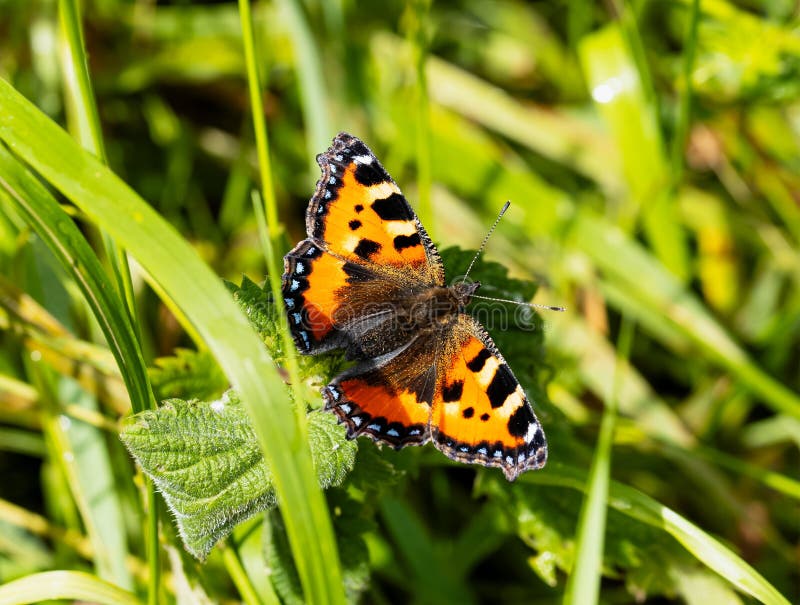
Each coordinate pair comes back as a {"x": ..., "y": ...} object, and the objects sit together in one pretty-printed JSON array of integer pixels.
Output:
[
  {"x": 480, "y": 413},
  {"x": 359, "y": 213},
  {"x": 365, "y": 245},
  {"x": 365, "y": 252},
  {"x": 387, "y": 398}
]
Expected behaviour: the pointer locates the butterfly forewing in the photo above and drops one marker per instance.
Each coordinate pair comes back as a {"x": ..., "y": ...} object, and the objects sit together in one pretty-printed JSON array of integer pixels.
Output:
[{"x": 359, "y": 213}]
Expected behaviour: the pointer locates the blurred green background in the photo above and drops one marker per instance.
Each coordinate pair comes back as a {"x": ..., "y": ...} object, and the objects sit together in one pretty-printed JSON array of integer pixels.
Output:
[{"x": 651, "y": 152}]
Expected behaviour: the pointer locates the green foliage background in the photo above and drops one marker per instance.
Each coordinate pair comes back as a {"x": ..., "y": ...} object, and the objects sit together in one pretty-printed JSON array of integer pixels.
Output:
[{"x": 651, "y": 151}]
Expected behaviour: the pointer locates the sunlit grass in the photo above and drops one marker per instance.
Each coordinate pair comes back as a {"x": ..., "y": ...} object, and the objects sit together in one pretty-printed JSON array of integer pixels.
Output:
[{"x": 650, "y": 152}]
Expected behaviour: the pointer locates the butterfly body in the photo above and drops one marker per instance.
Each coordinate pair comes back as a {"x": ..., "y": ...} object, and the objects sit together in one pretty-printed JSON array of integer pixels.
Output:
[{"x": 369, "y": 280}]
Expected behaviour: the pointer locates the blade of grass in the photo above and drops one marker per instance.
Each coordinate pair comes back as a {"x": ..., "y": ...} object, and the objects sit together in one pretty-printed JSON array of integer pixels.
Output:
[
  {"x": 707, "y": 549},
  {"x": 80, "y": 98},
  {"x": 21, "y": 441},
  {"x": 573, "y": 337},
  {"x": 648, "y": 282},
  {"x": 72, "y": 585},
  {"x": 101, "y": 511},
  {"x": 32, "y": 200},
  {"x": 42, "y": 527},
  {"x": 259, "y": 123},
  {"x": 685, "y": 106},
  {"x": 583, "y": 584},
  {"x": 419, "y": 552},
  {"x": 313, "y": 99},
  {"x": 240, "y": 579},
  {"x": 269, "y": 233},
  {"x": 417, "y": 15},
  {"x": 82, "y": 108},
  {"x": 176, "y": 270},
  {"x": 617, "y": 82}
]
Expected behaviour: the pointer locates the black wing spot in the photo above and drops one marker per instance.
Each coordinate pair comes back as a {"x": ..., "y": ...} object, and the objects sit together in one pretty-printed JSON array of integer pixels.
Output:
[
  {"x": 485, "y": 417},
  {"x": 406, "y": 241},
  {"x": 453, "y": 392},
  {"x": 393, "y": 208},
  {"x": 476, "y": 365},
  {"x": 354, "y": 224},
  {"x": 468, "y": 413},
  {"x": 370, "y": 174},
  {"x": 502, "y": 386},
  {"x": 366, "y": 248},
  {"x": 359, "y": 207},
  {"x": 520, "y": 421}
]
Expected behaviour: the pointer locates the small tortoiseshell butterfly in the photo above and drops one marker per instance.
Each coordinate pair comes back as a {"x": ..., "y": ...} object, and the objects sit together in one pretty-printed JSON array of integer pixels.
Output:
[{"x": 368, "y": 279}]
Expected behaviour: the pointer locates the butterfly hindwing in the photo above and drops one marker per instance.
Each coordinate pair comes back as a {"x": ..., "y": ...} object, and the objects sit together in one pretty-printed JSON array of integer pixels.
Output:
[
  {"x": 480, "y": 413},
  {"x": 387, "y": 398},
  {"x": 359, "y": 213}
]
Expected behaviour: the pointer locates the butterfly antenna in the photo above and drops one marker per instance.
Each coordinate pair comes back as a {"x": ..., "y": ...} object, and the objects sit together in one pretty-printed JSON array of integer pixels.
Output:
[
  {"x": 521, "y": 304},
  {"x": 486, "y": 239}
]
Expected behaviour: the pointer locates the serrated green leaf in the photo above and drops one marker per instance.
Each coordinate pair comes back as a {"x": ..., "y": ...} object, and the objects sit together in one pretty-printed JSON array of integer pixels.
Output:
[
  {"x": 205, "y": 460},
  {"x": 187, "y": 375},
  {"x": 256, "y": 302},
  {"x": 333, "y": 455}
]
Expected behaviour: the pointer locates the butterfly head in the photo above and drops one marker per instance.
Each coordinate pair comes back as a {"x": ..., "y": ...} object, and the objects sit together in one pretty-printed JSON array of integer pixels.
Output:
[{"x": 463, "y": 291}]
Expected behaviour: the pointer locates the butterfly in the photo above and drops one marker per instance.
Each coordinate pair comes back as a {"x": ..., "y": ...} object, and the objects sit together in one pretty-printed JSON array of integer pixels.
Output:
[{"x": 369, "y": 280}]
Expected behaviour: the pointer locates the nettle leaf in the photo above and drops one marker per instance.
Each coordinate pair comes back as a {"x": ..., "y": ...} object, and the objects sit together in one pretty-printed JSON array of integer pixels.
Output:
[
  {"x": 205, "y": 460},
  {"x": 257, "y": 304},
  {"x": 545, "y": 519},
  {"x": 333, "y": 455},
  {"x": 188, "y": 375}
]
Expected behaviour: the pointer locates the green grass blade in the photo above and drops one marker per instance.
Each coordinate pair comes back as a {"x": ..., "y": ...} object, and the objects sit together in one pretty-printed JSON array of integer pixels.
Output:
[
  {"x": 572, "y": 336},
  {"x": 313, "y": 97},
  {"x": 583, "y": 585},
  {"x": 417, "y": 14},
  {"x": 98, "y": 502},
  {"x": 269, "y": 234},
  {"x": 79, "y": 96},
  {"x": 32, "y": 200},
  {"x": 268, "y": 226},
  {"x": 175, "y": 270},
  {"x": 420, "y": 554},
  {"x": 72, "y": 585},
  {"x": 618, "y": 87},
  {"x": 647, "y": 281},
  {"x": 81, "y": 100},
  {"x": 259, "y": 122},
  {"x": 707, "y": 549},
  {"x": 239, "y": 577},
  {"x": 685, "y": 107}
]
